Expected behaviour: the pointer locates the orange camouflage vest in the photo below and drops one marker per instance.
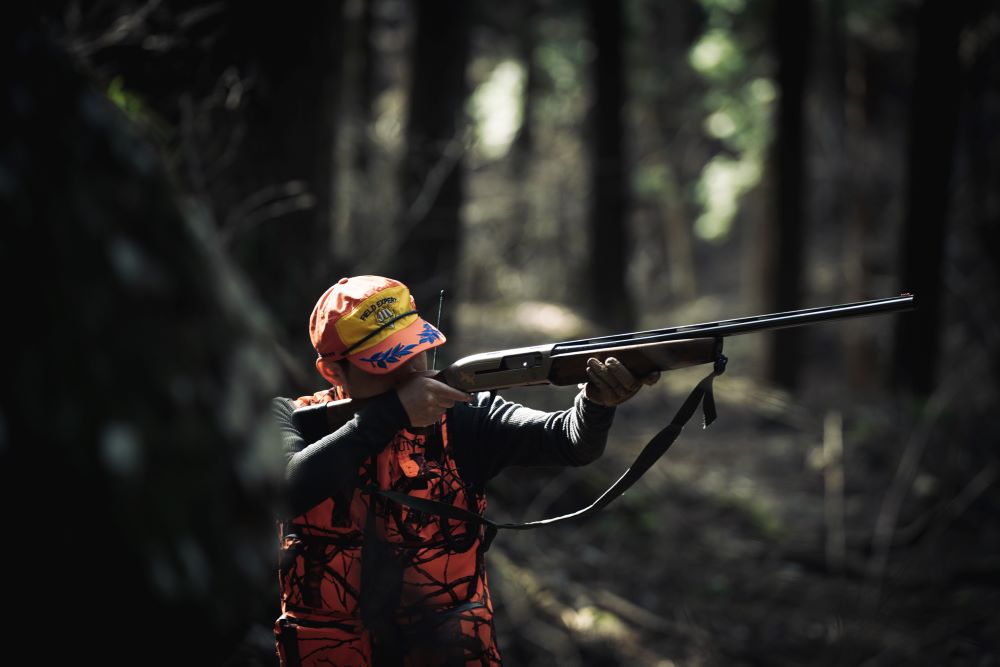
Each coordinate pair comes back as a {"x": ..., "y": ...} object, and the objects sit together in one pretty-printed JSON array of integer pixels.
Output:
[{"x": 424, "y": 598}]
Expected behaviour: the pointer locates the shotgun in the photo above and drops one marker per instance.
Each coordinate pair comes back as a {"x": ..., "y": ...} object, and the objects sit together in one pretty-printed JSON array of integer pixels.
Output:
[{"x": 641, "y": 352}]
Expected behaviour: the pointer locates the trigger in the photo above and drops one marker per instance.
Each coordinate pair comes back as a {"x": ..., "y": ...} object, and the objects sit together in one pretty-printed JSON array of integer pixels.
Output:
[{"x": 493, "y": 395}]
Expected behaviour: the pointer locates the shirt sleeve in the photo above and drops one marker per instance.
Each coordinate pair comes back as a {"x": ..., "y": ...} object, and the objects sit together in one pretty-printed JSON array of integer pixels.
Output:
[
  {"x": 493, "y": 434},
  {"x": 320, "y": 464}
]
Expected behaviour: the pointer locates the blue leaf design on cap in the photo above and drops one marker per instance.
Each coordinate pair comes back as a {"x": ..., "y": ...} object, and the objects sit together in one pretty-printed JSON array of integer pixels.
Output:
[
  {"x": 390, "y": 356},
  {"x": 429, "y": 334}
]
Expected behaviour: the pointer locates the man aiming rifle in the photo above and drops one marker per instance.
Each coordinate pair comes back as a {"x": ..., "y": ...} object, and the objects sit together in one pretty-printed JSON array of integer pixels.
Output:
[{"x": 366, "y": 580}]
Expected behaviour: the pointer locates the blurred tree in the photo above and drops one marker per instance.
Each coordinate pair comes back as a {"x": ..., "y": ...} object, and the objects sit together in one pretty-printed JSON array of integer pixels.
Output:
[
  {"x": 365, "y": 82},
  {"x": 848, "y": 205},
  {"x": 427, "y": 237},
  {"x": 785, "y": 249},
  {"x": 936, "y": 94},
  {"x": 279, "y": 206},
  {"x": 247, "y": 99},
  {"x": 980, "y": 49},
  {"x": 522, "y": 156},
  {"x": 664, "y": 172},
  {"x": 528, "y": 36},
  {"x": 135, "y": 453},
  {"x": 355, "y": 150},
  {"x": 863, "y": 66},
  {"x": 609, "y": 238}
]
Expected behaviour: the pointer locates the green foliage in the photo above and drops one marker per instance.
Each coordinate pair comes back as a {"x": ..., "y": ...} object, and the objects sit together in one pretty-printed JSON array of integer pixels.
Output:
[
  {"x": 561, "y": 60},
  {"x": 138, "y": 112},
  {"x": 717, "y": 57},
  {"x": 738, "y": 114},
  {"x": 654, "y": 180},
  {"x": 495, "y": 105},
  {"x": 719, "y": 8}
]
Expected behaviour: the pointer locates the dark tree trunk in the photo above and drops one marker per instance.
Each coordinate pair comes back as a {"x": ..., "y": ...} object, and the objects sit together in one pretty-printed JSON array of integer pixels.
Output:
[
  {"x": 351, "y": 215},
  {"x": 983, "y": 148},
  {"x": 676, "y": 26},
  {"x": 784, "y": 265},
  {"x": 849, "y": 201},
  {"x": 608, "y": 297},
  {"x": 291, "y": 120},
  {"x": 136, "y": 473},
  {"x": 517, "y": 247},
  {"x": 527, "y": 39},
  {"x": 366, "y": 85},
  {"x": 432, "y": 190},
  {"x": 931, "y": 155}
]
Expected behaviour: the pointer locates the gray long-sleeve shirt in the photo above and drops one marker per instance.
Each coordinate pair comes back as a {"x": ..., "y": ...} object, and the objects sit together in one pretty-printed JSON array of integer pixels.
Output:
[{"x": 485, "y": 437}]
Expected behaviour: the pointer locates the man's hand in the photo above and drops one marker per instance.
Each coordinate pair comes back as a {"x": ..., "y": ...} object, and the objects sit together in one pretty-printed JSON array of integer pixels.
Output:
[
  {"x": 425, "y": 400},
  {"x": 611, "y": 383}
]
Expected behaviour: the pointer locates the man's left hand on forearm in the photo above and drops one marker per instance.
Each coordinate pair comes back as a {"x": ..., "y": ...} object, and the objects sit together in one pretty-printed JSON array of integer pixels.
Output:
[{"x": 611, "y": 383}]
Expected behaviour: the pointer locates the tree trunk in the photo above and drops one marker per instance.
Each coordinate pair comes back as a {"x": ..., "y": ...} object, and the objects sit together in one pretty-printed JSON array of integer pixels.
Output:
[
  {"x": 287, "y": 159},
  {"x": 527, "y": 39},
  {"x": 518, "y": 241},
  {"x": 784, "y": 265},
  {"x": 931, "y": 154},
  {"x": 983, "y": 146},
  {"x": 675, "y": 26},
  {"x": 429, "y": 230},
  {"x": 850, "y": 203},
  {"x": 140, "y": 470},
  {"x": 352, "y": 146},
  {"x": 607, "y": 268}
]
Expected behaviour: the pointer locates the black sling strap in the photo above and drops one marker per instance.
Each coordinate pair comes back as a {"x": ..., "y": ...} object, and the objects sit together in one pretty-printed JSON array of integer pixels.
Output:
[{"x": 650, "y": 454}]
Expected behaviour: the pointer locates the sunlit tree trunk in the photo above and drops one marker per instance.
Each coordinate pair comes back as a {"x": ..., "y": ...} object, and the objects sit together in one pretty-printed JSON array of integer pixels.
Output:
[
  {"x": 428, "y": 231},
  {"x": 608, "y": 296},
  {"x": 931, "y": 155}
]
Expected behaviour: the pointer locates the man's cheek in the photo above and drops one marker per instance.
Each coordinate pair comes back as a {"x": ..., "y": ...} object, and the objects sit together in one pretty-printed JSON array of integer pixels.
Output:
[{"x": 419, "y": 363}]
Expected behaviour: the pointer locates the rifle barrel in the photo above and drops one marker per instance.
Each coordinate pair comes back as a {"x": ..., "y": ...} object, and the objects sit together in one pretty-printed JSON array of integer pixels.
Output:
[{"x": 744, "y": 325}]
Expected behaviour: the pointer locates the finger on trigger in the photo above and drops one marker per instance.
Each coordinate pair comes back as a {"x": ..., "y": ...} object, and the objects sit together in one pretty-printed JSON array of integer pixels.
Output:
[{"x": 450, "y": 393}]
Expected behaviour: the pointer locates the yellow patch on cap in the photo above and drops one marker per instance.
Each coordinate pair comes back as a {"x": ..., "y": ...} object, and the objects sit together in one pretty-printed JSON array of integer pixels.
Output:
[{"x": 372, "y": 314}]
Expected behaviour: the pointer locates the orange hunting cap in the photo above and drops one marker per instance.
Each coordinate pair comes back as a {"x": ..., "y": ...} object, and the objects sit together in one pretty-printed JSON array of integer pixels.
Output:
[{"x": 372, "y": 322}]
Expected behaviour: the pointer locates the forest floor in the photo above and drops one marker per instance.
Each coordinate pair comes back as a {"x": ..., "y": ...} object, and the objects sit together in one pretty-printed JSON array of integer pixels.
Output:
[{"x": 785, "y": 534}]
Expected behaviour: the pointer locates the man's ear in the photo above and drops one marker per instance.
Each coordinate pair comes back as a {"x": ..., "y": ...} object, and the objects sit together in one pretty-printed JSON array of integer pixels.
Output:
[{"x": 331, "y": 371}]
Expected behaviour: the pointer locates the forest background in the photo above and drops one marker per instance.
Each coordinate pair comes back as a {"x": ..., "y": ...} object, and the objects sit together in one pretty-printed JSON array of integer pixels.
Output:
[{"x": 180, "y": 181}]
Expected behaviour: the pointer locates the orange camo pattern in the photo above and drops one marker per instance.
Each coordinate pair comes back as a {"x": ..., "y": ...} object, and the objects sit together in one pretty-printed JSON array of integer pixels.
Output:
[
  {"x": 320, "y": 566},
  {"x": 304, "y": 646}
]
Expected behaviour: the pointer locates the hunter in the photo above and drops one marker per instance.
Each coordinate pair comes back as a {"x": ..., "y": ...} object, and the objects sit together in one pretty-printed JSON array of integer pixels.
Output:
[{"x": 366, "y": 581}]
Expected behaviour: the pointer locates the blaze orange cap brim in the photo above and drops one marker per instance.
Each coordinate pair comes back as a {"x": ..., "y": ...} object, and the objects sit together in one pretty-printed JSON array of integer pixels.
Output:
[{"x": 398, "y": 348}]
